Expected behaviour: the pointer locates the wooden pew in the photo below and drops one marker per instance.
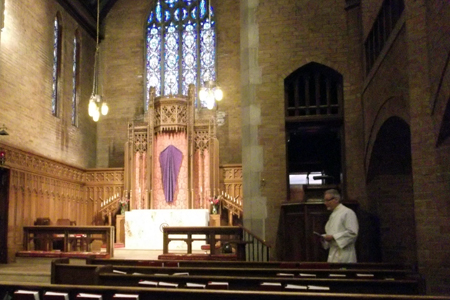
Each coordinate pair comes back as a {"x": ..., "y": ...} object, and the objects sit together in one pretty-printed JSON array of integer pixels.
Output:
[
  {"x": 245, "y": 279},
  {"x": 248, "y": 264},
  {"x": 272, "y": 272},
  {"x": 63, "y": 272},
  {"x": 7, "y": 290},
  {"x": 367, "y": 286}
]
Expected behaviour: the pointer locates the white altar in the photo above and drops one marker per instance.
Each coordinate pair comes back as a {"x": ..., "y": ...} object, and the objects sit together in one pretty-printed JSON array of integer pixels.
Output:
[{"x": 143, "y": 227}]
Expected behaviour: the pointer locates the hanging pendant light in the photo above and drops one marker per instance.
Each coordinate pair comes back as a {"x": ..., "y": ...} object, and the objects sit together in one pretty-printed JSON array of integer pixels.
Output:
[
  {"x": 96, "y": 102},
  {"x": 210, "y": 92}
]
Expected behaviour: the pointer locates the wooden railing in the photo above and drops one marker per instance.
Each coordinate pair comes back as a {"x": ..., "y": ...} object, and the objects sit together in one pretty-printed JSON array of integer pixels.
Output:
[
  {"x": 211, "y": 235},
  {"x": 109, "y": 207},
  {"x": 256, "y": 248},
  {"x": 67, "y": 234},
  {"x": 233, "y": 207},
  {"x": 248, "y": 246}
]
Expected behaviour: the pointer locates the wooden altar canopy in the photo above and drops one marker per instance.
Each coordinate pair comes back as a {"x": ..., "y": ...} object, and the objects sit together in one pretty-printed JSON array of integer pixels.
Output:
[{"x": 172, "y": 155}]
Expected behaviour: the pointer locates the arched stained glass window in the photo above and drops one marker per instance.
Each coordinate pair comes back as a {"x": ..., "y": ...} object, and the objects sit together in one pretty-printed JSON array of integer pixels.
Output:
[
  {"x": 57, "y": 32},
  {"x": 75, "y": 77},
  {"x": 180, "y": 47}
]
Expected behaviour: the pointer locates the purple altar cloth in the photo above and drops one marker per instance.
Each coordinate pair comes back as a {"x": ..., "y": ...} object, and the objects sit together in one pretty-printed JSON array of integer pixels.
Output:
[{"x": 170, "y": 160}]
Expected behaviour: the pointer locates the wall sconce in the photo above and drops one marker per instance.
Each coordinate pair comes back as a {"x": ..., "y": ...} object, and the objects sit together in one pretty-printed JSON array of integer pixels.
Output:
[{"x": 3, "y": 130}]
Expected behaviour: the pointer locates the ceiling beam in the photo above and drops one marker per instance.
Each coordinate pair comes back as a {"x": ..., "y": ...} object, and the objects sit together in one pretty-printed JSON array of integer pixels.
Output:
[{"x": 81, "y": 15}]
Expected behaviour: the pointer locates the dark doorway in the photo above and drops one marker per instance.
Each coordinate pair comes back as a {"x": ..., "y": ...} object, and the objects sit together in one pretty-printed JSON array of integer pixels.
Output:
[
  {"x": 314, "y": 137},
  {"x": 4, "y": 186},
  {"x": 390, "y": 190},
  {"x": 315, "y": 149}
]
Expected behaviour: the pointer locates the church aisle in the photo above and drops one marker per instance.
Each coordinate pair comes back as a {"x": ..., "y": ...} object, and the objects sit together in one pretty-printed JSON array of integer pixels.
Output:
[{"x": 37, "y": 269}]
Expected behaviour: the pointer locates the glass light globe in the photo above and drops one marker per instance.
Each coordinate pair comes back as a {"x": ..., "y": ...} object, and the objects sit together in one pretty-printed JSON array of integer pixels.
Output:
[
  {"x": 96, "y": 115},
  {"x": 203, "y": 94},
  {"x": 91, "y": 108},
  {"x": 210, "y": 105},
  {"x": 105, "y": 108},
  {"x": 210, "y": 101},
  {"x": 218, "y": 94}
]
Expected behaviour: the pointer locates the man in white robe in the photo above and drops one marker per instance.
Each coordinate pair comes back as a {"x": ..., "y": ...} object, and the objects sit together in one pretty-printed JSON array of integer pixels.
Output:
[{"x": 341, "y": 230}]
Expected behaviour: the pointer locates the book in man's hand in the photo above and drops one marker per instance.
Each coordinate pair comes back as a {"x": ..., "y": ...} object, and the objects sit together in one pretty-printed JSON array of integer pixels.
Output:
[
  {"x": 26, "y": 295},
  {"x": 318, "y": 234},
  {"x": 56, "y": 296}
]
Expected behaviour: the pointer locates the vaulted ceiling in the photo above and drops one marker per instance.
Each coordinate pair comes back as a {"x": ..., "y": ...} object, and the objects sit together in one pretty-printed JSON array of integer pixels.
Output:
[{"x": 85, "y": 12}]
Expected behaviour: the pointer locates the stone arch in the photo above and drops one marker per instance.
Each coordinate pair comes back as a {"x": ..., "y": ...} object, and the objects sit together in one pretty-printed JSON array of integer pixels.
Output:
[
  {"x": 390, "y": 191},
  {"x": 393, "y": 106}
]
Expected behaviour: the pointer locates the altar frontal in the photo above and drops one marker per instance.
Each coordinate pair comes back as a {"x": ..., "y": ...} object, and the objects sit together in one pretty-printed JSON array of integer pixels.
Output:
[{"x": 144, "y": 227}]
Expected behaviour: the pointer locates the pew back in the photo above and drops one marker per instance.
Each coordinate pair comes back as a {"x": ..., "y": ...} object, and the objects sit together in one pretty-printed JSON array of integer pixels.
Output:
[
  {"x": 249, "y": 264},
  {"x": 7, "y": 289}
]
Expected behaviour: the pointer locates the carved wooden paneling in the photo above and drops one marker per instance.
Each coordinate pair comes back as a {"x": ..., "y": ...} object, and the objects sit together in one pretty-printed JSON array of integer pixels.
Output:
[
  {"x": 20, "y": 160},
  {"x": 40, "y": 187},
  {"x": 232, "y": 180},
  {"x": 170, "y": 114}
]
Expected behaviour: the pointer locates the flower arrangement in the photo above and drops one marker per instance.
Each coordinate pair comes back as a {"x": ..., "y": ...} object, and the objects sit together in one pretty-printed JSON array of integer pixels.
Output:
[
  {"x": 215, "y": 201},
  {"x": 123, "y": 203}
]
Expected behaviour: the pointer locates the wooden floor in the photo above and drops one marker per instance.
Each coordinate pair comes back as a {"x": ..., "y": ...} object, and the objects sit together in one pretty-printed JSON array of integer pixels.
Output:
[{"x": 36, "y": 269}]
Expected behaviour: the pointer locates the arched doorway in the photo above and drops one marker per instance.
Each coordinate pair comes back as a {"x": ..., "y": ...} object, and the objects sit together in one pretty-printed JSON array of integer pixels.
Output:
[
  {"x": 390, "y": 191},
  {"x": 314, "y": 134}
]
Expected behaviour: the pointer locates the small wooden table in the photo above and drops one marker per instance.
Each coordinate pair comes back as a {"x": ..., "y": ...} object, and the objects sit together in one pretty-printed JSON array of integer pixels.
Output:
[
  {"x": 47, "y": 234},
  {"x": 211, "y": 235}
]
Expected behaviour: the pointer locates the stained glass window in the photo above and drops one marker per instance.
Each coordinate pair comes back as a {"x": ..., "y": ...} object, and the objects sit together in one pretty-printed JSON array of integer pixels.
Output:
[
  {"x": 75, "y": 77},
  {"x": 180, "y": 46},
  {"x": 56, "y": 63}
]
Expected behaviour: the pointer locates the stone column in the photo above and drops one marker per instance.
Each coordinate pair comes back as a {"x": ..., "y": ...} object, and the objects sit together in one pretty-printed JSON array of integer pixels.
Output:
[
  {"x": 353, "y": 111},
  {"x": 429, "y": 199},
  {"x": 252, "y": 153}
]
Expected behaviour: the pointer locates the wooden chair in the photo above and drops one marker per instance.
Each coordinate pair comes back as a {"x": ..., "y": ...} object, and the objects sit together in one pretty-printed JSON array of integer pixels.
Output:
[
  {"x": 42, "y": 242},
  {"x": 75, "y": 240}
]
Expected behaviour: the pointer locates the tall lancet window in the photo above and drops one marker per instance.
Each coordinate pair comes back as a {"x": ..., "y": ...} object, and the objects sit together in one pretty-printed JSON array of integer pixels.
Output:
[
  {"x": 181, "y": 42},
  {"x": 75, "y": 77},
  {"x": 57, "y": 31}
]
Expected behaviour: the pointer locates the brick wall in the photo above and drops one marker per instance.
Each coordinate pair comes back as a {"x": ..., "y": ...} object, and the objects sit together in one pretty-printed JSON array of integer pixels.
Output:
[
  {"x": 291, "y": 34},
  {"x": 392, "y": 201},
  {"x": 26, "y": 58},
  {"x": 407, "y": 85}
]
